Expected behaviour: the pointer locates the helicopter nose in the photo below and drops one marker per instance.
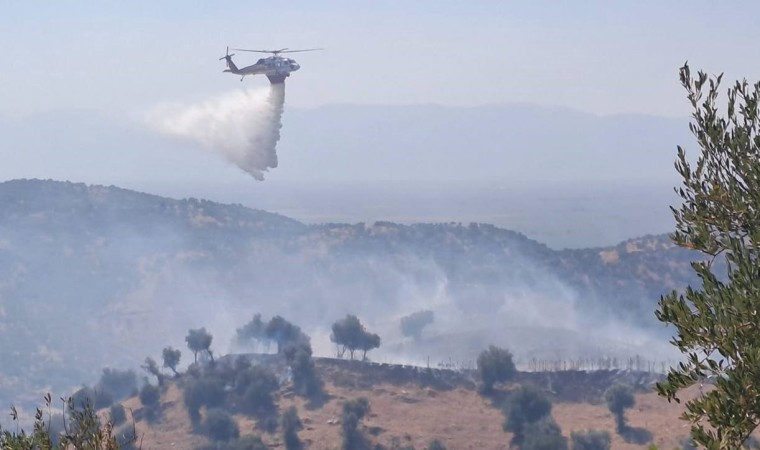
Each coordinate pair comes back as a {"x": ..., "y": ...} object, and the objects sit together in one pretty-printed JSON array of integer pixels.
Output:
[{"x": 294, "y": 66}]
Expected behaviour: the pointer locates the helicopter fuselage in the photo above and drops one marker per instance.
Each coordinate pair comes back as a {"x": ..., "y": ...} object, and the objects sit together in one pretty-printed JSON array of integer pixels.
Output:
[{"x": 276, "y": 68}]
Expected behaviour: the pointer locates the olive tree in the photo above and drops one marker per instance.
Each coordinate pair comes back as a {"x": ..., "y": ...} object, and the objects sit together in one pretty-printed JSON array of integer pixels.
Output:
[
  {"x": 716, "y": 324},
  {"x": 199, "y": 340},
  {"x": 494, "y": 365}
]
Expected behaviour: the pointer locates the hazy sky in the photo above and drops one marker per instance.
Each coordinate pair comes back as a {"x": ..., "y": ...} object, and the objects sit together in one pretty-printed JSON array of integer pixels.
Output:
[{"x": 596, "y": 56}]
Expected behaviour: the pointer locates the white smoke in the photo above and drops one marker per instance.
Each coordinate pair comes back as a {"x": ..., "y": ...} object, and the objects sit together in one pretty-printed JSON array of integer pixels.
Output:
[{"x": 244, "y": 126}]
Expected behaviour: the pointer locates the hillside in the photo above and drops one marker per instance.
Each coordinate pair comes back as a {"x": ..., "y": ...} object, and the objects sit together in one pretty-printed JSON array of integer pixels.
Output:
[
  {"x": 412, "y": 406},
  {"x": 138, "y": 270}
]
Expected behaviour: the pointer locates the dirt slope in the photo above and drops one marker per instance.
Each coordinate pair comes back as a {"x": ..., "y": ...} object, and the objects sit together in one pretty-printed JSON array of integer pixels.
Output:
[{"x": 411, "y": 413}]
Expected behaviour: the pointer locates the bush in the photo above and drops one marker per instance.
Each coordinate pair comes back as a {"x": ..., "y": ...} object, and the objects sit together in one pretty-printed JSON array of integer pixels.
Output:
[
  {"x": 220, "y": 426},
  {"x": 591, "y": 440},
  {"x": 119, "y": 384},
  {"x": 118, "y": 415},
  {"x": 495, "y": 365},
  {"x": 150, "y": 395},
  {"x": 87, "y": 396},
  {"x": 435, "y": 444},
  {"x": 353, "y": 412},
  {"x": 544, "y": 434},
  {"x": 207, "y": 391},
  {"x": 257, "y": 386},
  {"x": 126, "y": 436},
  {"x": 619, "y": 397},
  {"x": 527, "y": 405},
  {"x": 291, "y": 425}
]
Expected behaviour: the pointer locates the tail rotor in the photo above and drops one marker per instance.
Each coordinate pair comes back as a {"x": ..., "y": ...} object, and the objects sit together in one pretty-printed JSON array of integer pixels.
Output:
[{"x": 227, "y": 55}]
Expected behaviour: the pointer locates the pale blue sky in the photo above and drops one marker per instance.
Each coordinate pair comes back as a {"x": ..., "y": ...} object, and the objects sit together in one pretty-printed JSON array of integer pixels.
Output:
[{"x": 596, "y": 56}]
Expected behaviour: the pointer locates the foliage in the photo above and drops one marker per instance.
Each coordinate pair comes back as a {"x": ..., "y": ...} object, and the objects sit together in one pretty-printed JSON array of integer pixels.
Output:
[
  {"x": 83, "y": 431},
  {"x": 525, "y": 406},
  {"x": 544, "y": 434},
  {"x": 306, "y": 382},
  {"x": 206, "y": 391},
  {"x": 619, "y": 397},
  {"x": 199, "y": 340},
  {"x": 151, "y": 367},
  {"x": 716, "y": 324},
  {"x": 118, "y": 414},
  {"x": 119, "y": 384},
  {"x": 353, "y": 413},
  {"x": 435, "y": 444},
  {"x": 171, "y": 358},
  {"x": 256, "y": 387},
  {"x": 291, "y": 425},
  {"x": 220, "y": 426},
  {"x": 254, "y": 332},
  {"x": 413, "y": 324},
  {"x": 349, "y": 334},
  {"x": 150, "y": 395},
  {"x": 247, "y": 442},
  {"x": 284, "y": 333},
  {"x": 89, "y": 396},
  {"x": 591, "y": 440},
  {"x": 495, "y": 365}
]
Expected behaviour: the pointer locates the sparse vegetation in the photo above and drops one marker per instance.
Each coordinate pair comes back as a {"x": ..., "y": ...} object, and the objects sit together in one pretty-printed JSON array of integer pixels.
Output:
[
  {"x": 716, "y": 323},
  {"x": 256, "y": 386},
  {"x": 494, "y": 365},
  {"x": 82, "y": 431}
]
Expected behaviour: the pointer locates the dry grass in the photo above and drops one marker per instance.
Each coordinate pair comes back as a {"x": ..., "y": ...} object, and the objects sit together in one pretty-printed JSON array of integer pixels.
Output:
[{"x": 411, "y": 414}]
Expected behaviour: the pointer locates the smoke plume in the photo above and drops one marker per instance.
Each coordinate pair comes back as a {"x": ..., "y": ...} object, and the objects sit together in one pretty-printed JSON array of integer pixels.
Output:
[{"x": 243, "y": 126}]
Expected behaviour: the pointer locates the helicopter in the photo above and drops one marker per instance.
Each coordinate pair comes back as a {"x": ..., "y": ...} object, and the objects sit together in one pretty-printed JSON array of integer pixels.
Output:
[{"x": 275, "y": 67}]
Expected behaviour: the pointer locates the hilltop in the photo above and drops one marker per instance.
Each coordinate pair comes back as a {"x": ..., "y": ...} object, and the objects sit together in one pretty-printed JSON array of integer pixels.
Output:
[
  {"x": 412, "y": 406},
  {"x": 137, "y": 270}
]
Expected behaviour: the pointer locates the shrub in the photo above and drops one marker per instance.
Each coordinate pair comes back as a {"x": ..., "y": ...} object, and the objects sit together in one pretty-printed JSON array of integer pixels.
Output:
[
  {"x": 435, "y": 444},
  {"x": 291, "y": 425},
  {"x": 150, "y": 395},
  {"x": 527, "y": 405},
  {"x": 257, "y": 386},
  {"x": 495, "y": 365},
  {"x": 119, "y": 384},
  {"x": 619, "y": 397},
  {"x": 544, "y": 434},
  {"x": 220, "y": 426},
  {"x": 206, "y": 391},
  {"x": 353, "y": 412},
  {"x": 118, "y": 414},
  {"x": 591, "y": 440},
  {"x": 89, "y": 396}
]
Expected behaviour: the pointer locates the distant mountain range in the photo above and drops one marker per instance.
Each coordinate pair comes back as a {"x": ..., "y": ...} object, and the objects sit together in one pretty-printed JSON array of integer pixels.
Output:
[
  {"x": 508, "y": 143},
  {"x": 94, "y": 276}
]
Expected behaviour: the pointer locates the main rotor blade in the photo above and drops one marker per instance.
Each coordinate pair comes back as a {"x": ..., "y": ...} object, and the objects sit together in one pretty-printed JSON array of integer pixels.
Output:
[
  {"x": 304, "y": 50},
  {"x": 283, "y": 50},
  {"x": 260, "y": 51}
]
